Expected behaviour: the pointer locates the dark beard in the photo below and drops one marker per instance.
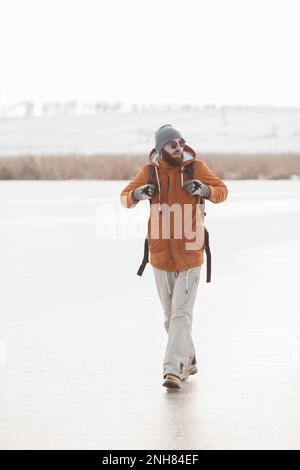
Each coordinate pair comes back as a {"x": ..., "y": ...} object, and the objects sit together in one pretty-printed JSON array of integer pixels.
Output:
[{"x": 175, "y": 161}]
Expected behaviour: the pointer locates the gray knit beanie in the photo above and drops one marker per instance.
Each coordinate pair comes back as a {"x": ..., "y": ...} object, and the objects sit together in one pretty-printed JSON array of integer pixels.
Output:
[{"x": 164, "y": 134}]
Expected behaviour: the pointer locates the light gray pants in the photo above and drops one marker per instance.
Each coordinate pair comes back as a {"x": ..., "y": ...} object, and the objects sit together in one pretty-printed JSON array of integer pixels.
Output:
[{"x": 177, "y": 293}]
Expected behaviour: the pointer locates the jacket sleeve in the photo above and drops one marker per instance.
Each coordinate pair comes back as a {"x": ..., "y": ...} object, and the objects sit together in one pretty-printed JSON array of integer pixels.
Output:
[
  {"x": 140, "y": 179},
  {"x": 218, "y": 189}
]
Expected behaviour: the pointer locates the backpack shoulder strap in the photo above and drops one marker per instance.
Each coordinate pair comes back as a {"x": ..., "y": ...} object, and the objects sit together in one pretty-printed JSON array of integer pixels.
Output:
[
  {"x": 150, "y": 173},
  {"x": 189, "y": 169}
]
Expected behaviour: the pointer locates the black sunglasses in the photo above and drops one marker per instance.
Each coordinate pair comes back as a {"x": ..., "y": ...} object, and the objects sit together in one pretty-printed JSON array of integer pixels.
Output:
[{"x": 173, "y": 143}]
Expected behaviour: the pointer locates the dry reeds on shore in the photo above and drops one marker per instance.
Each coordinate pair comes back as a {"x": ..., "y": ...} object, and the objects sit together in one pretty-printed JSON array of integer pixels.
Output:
[{"x": 125, "y": 166}]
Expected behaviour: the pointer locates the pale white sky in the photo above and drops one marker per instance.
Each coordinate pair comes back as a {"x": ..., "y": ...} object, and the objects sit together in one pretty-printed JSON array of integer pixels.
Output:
[{"x": 159, "y": 51}]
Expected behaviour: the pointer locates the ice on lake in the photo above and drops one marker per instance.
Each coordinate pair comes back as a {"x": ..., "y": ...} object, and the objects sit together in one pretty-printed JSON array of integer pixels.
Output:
[{"x": 82, "y": 337}]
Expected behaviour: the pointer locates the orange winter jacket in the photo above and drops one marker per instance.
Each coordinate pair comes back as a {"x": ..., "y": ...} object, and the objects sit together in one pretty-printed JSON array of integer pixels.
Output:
[{"x": 172, "y": 245}]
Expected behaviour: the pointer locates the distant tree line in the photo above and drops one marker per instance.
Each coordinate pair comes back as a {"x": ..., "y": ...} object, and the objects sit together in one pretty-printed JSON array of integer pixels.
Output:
[{"x": 30, "y": 109}]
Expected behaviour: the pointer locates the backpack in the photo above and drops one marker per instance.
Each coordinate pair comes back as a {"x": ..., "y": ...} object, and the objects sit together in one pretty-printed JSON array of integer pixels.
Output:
[{"x": 189, "y": 169}]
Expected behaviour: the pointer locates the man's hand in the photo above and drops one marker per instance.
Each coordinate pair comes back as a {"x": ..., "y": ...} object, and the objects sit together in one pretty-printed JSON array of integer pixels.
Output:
[
  {"x": 144, "y": 192},
  {"x": 196, "y": 188}
]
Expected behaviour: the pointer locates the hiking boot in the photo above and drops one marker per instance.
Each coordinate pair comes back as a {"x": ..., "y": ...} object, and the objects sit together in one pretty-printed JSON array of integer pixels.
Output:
[
  {"x": 172, "y": 381},
  {"x": 191, "y": 370}
]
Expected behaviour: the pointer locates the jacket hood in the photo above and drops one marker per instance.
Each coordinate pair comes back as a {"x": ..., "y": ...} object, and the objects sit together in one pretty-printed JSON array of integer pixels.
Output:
[
  {"x": 154, "y": 156},
  {"x": 156, "y": 160}
]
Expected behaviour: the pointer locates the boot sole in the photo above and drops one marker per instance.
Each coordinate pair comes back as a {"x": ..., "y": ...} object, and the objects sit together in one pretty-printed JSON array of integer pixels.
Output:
[{"x": 170, "y": 383}]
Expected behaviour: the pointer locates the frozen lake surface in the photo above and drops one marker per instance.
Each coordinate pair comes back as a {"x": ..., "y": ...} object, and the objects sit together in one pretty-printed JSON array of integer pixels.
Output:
[{"x": 82, "y": 337}]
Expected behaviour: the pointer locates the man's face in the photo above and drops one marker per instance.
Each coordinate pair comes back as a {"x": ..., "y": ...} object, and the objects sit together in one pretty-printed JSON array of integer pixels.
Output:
[{"x": 173, "y": 152}]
